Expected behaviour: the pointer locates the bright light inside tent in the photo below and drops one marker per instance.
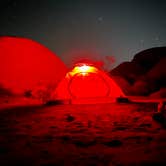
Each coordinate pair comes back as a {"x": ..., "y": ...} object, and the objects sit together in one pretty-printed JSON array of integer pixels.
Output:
[{"x": 83, "y": 69}]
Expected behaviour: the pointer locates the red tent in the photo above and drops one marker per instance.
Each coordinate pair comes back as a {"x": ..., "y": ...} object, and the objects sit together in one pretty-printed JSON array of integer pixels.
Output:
[
  {"x": 85, "y": 84},
  {"x": 24, "y": 64}
]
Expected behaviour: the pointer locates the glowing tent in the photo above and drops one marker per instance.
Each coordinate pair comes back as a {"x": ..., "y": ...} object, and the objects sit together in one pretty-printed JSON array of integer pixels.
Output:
[
  {"x": 24, "y": 64},
  {"x": 86, "y": 84}
]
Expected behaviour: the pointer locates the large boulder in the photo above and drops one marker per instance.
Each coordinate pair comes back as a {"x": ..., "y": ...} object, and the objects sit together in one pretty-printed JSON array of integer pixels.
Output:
[
  {"x": 158, "y": 73},
  {"x": 128, "y": 70},
  {"x": 146, "y": 73},
  {"x": 147, "y": 59},
  {"x": 25, "y": 64}
]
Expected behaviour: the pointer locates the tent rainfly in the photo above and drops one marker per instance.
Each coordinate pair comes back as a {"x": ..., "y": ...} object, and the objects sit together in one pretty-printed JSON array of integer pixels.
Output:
[{"x": 85, "y": 83}]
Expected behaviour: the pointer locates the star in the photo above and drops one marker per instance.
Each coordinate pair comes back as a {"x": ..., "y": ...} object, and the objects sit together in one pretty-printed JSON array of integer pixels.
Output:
[
  {"x": 157, "y": 38},
  {"x": 100, "y": 19}
]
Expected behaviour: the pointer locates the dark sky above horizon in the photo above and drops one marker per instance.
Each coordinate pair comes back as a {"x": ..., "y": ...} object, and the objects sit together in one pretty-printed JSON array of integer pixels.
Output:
[{"x": 95, "y": 29}]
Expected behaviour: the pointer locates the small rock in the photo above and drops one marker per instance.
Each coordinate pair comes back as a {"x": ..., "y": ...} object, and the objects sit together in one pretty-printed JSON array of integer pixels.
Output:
[
  {"x": 135, "y": 119},
  {"x": 84, "y": 143},
  {"x": 53, "y": 127},
  {"x": 65, "y": 138},
  {"x": 48, "y": 138},
  {"x": 120, "y": 128},
  {"x": 27, "y": 126},
  {"x": 149, "y": 138},
  {"x": 113, "y": 143},
  {"x": 3, "y": 150},
  {"x": 145, "y": 125},
  {"x": 159, "y": 117},
  {"x": 70, "y": 118}
]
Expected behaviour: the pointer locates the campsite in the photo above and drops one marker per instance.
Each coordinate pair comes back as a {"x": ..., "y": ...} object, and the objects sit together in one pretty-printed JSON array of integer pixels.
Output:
[
  {"x": 83, "y": 83},
  {"x": 82, "y": 116}
]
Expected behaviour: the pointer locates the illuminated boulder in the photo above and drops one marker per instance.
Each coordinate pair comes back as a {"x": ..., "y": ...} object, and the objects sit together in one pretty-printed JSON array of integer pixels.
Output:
[{"x": 24, "y": 64}]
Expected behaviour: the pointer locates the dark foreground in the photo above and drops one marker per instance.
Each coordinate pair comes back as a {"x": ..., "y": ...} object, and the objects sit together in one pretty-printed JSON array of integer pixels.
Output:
[{"x": 82, "y": 135}]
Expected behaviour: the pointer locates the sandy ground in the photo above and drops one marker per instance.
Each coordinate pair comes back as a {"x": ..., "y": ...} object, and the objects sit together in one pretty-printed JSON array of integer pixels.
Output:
[{"x": 81, "y": 135}]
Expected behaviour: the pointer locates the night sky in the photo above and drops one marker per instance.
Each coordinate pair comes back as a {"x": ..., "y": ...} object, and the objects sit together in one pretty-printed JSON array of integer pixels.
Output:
[{"x": 102, "y": 30}]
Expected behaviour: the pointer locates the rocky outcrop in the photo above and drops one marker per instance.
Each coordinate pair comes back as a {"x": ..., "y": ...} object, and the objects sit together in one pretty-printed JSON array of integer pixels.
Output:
[{"x": 146, "y": 73}]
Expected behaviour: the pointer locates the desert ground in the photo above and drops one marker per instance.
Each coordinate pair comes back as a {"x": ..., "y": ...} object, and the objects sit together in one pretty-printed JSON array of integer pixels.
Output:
[{"x": 111, "y": 134}]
